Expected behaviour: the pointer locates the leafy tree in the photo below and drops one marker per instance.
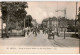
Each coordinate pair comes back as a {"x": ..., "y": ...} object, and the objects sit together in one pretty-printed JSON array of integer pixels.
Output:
[
  {"x": 13, "y": 12},
  {"x": 28, "y": 21},
  {"x": 62, "y": 22}
]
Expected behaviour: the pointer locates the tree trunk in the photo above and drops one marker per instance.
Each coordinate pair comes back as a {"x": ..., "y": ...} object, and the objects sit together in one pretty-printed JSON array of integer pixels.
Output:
[
  {"x": 7, "y": 21},
  {"x": 24, "y": 26},
  {"x": 16, "y": 24}
]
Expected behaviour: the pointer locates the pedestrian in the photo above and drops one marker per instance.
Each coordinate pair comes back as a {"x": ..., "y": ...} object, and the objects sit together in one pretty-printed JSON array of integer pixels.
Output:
[
  {"x": 26, "y": 31},
  {"x": 35, "y": 31},
  {"x": 4, "y": 34},
  {"x": 38, "y": 30},
  {"x": 53, "y": 34},
  {"x": 43, "y": 31}
]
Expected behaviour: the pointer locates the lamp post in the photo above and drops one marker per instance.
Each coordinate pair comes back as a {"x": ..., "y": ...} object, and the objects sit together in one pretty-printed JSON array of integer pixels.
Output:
[
  {"x": 64, "y": 25},
  {"x": 1, "y": 28},
  {"x": 57, "y": 23},
  {"x": 64, "y": 17},
  {"x": 76, "y": 17}
]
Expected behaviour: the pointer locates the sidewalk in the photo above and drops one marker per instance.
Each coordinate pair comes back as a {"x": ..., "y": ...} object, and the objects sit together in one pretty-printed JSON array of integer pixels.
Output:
[{"x": 67, "y": 42}]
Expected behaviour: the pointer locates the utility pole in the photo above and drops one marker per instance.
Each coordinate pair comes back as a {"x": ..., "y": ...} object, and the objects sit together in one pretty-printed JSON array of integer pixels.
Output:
[
  {"x": 1, "y": 28},
  {"x": 64, "y": 25},
  {"x": 76, "y": 17},
  {"x": 57, "y": 19}
]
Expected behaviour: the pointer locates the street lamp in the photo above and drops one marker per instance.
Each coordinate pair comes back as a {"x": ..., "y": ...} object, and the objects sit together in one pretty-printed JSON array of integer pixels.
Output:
[
  {"x": 64, "y": 17},
  {"x": 76, "y": 17},
  {"x": 57, "y": 23}
]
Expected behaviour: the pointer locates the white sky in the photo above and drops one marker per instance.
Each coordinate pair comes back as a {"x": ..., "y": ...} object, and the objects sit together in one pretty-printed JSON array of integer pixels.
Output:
[{"x": 41, "y": 10}]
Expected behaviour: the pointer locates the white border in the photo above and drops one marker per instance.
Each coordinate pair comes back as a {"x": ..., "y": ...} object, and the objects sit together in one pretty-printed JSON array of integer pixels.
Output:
[{"x": 40, "y": 0}]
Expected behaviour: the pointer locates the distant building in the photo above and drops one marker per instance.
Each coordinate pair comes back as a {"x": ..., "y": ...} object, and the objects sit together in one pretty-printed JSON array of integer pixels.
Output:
[
  {"x": 34, "y": 22},
  {"x": 50, "y": 23},
  {"x": 54, "y": 24},
  {"x": 44, "y": 24}
]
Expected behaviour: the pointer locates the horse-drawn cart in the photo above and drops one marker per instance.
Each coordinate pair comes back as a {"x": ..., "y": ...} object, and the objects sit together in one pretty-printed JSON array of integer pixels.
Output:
[{"x": 50, "y": 35}]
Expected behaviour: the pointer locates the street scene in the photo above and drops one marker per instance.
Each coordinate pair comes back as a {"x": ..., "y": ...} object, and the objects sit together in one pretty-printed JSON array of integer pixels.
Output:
[
  {"x": 41, "y": 40},
  {"x": 42, "y": 24}
]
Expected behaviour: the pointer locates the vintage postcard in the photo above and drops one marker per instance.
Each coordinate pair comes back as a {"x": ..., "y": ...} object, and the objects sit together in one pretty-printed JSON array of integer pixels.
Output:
[{"x": 39, "y": 27}]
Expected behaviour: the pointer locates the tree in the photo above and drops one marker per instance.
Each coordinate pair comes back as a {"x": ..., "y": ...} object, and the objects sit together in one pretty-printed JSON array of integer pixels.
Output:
[
  {"x": 13, "y": 12},
  {"x": 29, "y": 19}
]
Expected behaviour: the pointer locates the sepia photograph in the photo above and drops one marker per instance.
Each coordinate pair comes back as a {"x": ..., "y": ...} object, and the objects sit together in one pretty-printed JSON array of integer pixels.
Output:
[{"x": 39, "y": 27}]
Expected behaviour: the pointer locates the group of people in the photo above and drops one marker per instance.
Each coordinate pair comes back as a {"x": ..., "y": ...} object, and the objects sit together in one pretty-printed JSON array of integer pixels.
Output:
[
  {"x": 47, "y": 30},
  {"x": 35, "y": 31}
]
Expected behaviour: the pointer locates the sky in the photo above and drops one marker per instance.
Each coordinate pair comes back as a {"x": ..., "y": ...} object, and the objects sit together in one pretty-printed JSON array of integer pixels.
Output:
[{"x": 41, "y": 10}]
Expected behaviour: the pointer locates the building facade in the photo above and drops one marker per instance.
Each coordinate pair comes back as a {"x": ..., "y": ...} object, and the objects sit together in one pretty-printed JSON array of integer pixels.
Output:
[{"x": 55, "y": 25}]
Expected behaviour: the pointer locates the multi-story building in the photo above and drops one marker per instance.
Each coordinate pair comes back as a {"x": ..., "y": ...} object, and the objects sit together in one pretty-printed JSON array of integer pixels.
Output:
[
  {"x": 50, "y": 23},
  {"x": 54, "y": 24}
]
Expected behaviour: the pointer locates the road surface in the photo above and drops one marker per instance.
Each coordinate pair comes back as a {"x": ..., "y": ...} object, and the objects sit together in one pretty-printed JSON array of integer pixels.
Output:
[
  {"x": 40, "y": 40},
  {"x": 31, "y": 40}
]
